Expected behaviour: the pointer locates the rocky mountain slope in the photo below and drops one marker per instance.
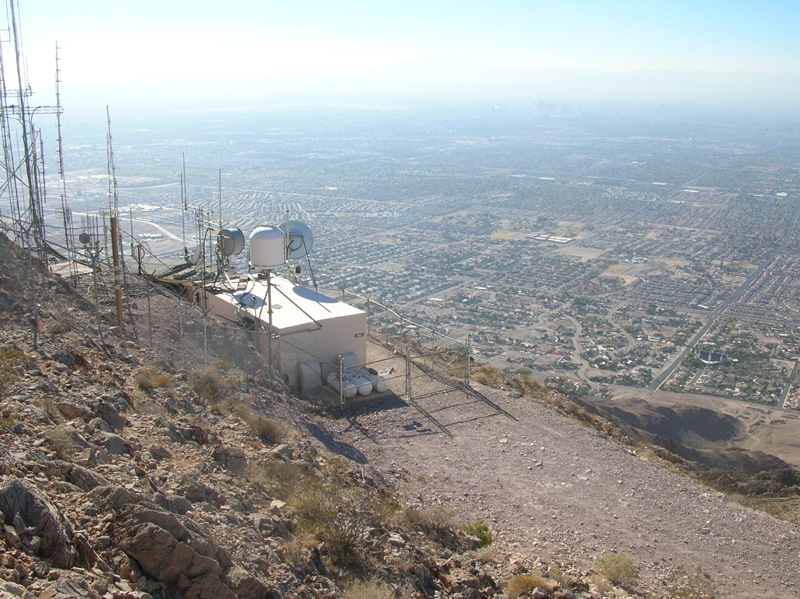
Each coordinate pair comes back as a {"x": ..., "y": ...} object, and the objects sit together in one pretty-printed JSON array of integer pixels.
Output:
[
  {"x": 129, "y": 473},
  {"x": 153, "y": 461}
]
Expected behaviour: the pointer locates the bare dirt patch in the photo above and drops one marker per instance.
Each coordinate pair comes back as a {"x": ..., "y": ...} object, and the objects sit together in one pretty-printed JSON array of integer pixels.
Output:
[{"x": 550, "y": 487}]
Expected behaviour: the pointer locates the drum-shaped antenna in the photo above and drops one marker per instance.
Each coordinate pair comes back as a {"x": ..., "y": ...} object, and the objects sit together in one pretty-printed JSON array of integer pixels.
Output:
[{"x": 231, "y": 241}]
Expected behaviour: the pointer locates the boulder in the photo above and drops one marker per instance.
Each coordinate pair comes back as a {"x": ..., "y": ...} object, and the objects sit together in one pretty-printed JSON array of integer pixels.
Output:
[
  {"x": 23, "y": 500},
  {"x": 232, "y": 458},
  {"x": 11, "y": 590},
  {"x": 113, "y": 444},
  {"x": 110, "y": 415},
  {"x": 246, "y": 586}
]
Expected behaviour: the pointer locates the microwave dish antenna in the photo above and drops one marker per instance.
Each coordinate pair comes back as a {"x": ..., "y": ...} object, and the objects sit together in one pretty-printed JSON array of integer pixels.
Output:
[
  {"x": 231, "y": 241},
  {"x": 299, "y": 239}
]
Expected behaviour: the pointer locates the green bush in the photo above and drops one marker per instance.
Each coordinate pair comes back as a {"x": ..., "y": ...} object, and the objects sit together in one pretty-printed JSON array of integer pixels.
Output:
[
  {"x": 618, "y": 568},
  {"x": 481, "y": 530}
]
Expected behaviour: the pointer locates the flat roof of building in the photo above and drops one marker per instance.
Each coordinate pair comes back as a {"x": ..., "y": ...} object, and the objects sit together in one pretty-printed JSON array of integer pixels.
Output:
[{"x": 292, "y": 305}]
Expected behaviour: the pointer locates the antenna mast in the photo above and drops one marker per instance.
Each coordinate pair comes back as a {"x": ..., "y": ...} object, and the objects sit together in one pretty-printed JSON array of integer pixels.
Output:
[
  {"x": 65, "y": 211},
  {"x": 35, "y": 227}
]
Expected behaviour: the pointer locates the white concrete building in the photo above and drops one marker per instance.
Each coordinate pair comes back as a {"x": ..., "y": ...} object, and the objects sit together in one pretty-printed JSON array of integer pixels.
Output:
[{"x": 308, "y": 327}]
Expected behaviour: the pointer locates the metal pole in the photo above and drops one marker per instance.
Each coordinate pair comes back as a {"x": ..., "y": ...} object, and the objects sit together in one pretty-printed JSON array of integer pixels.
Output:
[
  {"x": 149, "y": 317},
  {"x": 288, "y": 243},
  {"x": 269, "y": 319},
  {"x": 408, "y": 371},
  {"x": 180, "y": 319},
  {"x": 467, "y": 353},
  {"x": 341, "y": 383},
  {"x": 117, "y": 282}
]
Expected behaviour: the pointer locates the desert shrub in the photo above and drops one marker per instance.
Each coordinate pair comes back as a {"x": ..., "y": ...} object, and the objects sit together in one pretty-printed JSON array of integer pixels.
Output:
[
  {"x": 697, "y": 585},
  {"x": 601, "y": 584},
  {"x": 148, "y": 379},
  {"x": 481, "y": 530},
  {"x": 368, "y": 589},
  {"x": 269, "y": 430},
  {"x": 526, "y": 583},
  {"x": 209, "y": 383},
  {"x": 485, "y": 555},
  {"x": 489, "y": 376},
  {"x": 556, "y": 573},
  {"x": 62, "y": 442},
  {"x": 438, "y": 519},
  {"x": 618, "y": 568},
  {"x": 297, "y": 548},
  {"x": 527, "y": 385},
  {"x": 10, "y": 358},
  {"x": 8, "y": 418},
  {"x": 278, "y": 478},
  {"x": 225, "y": 362},
  {"x": 338, "y": 515}
]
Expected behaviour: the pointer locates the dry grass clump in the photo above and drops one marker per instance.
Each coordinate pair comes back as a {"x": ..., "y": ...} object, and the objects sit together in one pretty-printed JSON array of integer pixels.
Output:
[
  {"x": 209, "y": 383},
  {"x": 148, "y": 379},
  {"x": 276, "y": 477},
  {"x": 527, "y": 385},
  {"x": 617, "y": 568},
  {"x": 697, "y": 585},
  {"x": 527, "y": 583},
  {"x": 368, "y": 589},
  {"x": 485, "y": 555},
  {"x": 267, "y": 429},
  {"x": 338, "y": 515},
  {"x": 489, "y": 376},
  {"x": 438, "y": 519},
  {"x": 10, "y": 358},
  {"x": 62, "y": 442}
]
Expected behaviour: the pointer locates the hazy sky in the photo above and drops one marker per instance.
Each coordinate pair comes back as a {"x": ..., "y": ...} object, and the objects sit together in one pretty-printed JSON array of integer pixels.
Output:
[{"x": 148, "y": 42}]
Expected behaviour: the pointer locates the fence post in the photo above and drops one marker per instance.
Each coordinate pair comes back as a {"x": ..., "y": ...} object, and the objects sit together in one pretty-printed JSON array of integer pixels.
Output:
[
  {"x": 341, "y": 383},
  {"x": 467, "y": 353},
  {"x": 149, "y": 317},
  {"x": 408, "y": 371}
]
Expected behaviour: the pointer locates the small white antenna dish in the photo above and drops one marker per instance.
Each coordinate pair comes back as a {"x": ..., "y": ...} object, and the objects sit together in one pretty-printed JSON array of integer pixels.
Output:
[
  {"x": 197, "y": 254},
  {"x": 300, "y": 239}
]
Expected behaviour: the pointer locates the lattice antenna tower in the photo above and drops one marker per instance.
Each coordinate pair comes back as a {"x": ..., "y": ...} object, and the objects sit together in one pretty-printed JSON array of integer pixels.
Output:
[
  {"x": 23, "y": 187},
  {"x": 66, "y": 213}
]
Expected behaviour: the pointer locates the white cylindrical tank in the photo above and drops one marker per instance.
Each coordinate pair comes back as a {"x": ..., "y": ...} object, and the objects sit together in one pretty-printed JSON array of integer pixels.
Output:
[
  {"x": 267, "y": 248},
  {"x": 378, "y": 382},
  {"x": 363, "y": 385},
  {"x": 350, "y": 389}
]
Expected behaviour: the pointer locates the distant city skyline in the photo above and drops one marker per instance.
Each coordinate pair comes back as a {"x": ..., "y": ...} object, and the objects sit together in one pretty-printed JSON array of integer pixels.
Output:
[{"x": 179, "y": 45}]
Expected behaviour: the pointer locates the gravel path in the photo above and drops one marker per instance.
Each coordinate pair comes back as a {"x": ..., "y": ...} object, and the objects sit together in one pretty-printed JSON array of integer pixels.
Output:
[{"x": 552, "y": 488}]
